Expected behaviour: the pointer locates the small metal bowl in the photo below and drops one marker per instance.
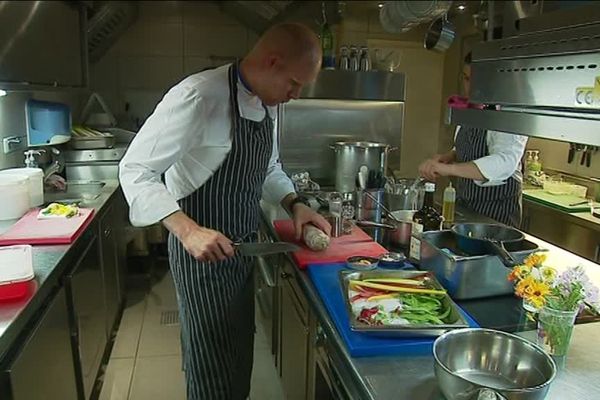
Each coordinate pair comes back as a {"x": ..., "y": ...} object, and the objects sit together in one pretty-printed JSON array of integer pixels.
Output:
[
  {"x": 392, "y": 260},
  {"x": 362, "y": 263}
]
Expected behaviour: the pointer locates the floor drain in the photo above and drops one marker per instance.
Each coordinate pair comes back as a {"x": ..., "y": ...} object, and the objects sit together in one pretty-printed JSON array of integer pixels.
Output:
[{"x": 169, "y": 318}]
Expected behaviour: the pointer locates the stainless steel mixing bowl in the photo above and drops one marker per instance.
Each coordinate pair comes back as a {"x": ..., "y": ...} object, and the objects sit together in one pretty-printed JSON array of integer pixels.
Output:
[{"x": 485, "y": 364}]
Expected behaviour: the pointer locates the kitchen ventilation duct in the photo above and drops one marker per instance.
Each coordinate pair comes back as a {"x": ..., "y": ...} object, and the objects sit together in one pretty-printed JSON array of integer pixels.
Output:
[{"x": 108, "y": 21}]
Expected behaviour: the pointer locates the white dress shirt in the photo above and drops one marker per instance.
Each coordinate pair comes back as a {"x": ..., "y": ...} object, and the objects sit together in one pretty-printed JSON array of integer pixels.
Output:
[
  {"x": 187, "y": 137},
  {"x": 505, "y": 151}
]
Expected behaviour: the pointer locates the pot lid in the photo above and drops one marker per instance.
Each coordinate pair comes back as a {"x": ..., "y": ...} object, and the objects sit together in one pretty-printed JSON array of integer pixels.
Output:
[{"x": 361, "y": 144}]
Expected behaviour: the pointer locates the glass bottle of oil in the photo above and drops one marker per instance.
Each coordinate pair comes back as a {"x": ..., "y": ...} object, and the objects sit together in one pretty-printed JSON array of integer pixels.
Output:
[{"x": 448, "y": 204}]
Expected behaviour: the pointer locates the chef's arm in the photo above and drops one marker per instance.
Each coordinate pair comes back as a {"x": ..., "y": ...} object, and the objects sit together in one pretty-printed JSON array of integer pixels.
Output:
[
  {"x": 467, "y": 170},
  {"x": 159, "y": 144}
]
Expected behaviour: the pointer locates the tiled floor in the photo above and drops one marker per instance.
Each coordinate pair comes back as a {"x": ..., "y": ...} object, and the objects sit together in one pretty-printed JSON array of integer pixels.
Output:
[{"x": 145, "y": 362}]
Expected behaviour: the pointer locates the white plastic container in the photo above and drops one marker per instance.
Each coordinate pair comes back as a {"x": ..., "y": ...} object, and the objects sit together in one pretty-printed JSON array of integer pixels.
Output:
[
  {"x": 14, "y": 196},
  {"x": 35, "y": 178}
]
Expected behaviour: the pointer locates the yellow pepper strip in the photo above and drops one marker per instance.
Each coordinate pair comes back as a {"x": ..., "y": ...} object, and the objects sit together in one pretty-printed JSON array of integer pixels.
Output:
[
  {"x": 382, "y": 296},
  {"x": 396, "y": 280},
  {"x": 395, "y": 288}
]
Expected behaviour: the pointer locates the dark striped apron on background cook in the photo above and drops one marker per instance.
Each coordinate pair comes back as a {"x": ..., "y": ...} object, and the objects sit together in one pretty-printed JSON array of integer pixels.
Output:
[
  {"x": 216, "y": 300},
  {"x": 501, "y": 203}
]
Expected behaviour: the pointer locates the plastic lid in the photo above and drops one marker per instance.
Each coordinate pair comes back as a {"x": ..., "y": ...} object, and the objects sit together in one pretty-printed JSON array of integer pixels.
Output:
[
  {"x": 429, "y": 187},
  {"x": 23, "y": 171}
]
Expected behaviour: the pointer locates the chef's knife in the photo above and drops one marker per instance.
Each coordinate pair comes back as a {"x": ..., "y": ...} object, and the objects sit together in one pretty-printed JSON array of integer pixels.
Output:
[{"x": 263, "y": 249}]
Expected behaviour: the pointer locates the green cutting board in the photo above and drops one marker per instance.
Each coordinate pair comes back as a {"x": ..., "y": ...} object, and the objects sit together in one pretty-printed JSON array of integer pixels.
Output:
[{"x": 559, "y": 201}]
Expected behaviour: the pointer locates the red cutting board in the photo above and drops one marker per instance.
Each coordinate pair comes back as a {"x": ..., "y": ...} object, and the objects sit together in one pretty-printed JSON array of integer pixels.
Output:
[
  {"x": 31, "y": 230},
  {"x": 358, "y": 243}
]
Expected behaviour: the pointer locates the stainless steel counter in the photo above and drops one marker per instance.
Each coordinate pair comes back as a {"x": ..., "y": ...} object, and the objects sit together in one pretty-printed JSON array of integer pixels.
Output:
[
  {"x": 585, "y": 219},
  {"x": 412, "y": 378},
  {"x": 49, "y": 264}
]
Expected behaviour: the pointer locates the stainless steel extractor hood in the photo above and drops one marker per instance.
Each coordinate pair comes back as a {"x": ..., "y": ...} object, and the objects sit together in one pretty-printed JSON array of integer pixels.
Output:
[{"x": 545, "y": 82}]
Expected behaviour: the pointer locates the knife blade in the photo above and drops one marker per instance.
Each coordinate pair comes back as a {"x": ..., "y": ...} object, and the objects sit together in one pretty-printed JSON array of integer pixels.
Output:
[{"x": 263, "y": 249}]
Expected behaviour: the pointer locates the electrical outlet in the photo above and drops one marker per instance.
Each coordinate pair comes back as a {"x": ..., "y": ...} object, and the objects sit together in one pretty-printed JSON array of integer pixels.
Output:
[{"x": 11, "y": 144}]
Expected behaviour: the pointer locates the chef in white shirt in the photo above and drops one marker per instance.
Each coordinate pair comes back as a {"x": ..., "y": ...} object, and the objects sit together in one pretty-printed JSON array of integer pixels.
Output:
[
  {"x": 488, "y": 167},
  {"x": 213, "y": 136}
]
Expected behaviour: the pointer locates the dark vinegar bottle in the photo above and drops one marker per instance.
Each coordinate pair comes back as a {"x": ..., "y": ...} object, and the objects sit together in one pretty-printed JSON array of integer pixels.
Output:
[{"x": 426, "y": 219}]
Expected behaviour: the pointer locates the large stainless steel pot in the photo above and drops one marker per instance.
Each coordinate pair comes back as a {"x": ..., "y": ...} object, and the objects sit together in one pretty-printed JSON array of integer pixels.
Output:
[
  {"x": 350, "y": 156},
  {"x": 478, "y": 364}
]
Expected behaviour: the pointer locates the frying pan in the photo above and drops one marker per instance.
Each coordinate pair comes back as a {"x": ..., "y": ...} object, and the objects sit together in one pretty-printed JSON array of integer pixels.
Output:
[{"x": 478, "y": 239}]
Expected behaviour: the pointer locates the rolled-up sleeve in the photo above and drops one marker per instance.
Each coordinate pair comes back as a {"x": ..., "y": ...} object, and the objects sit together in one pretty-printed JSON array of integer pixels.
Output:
[
  {"x": 160, "y": 143},
  {"x": 505, "y": 154},
  {"x": 277, "y": 184}
]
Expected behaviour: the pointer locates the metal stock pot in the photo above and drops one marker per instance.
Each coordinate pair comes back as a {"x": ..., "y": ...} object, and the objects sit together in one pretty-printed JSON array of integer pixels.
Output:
[{"x": 350, "y": 156}]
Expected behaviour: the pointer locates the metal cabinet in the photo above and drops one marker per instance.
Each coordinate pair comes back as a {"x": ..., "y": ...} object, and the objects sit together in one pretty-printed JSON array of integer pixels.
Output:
[
  {"x": 43, "y": 367},
  {"x": 87, "y": 311},
  {"x": 110, "y": 267},
  {"x": 555, "y": 227},
  {"x": 294, "y": 337}
]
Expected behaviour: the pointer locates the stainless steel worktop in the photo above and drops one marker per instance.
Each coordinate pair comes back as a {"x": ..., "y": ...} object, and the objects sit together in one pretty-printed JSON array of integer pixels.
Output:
[
  {"x": 49, "y": 264},
  {"x": 412, "y": 378}
]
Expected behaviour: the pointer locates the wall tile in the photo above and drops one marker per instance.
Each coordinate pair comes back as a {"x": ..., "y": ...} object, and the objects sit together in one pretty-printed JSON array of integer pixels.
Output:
[
  {"x": 221, "y": 41},
  {"x": 141, "y": 102},
  {"x": 205, "y": 13},
  {"x": 161, "y": 11},
  {"x": 194, "y": 64},
  {"x": 150, "y": 72},
  {"x": 152, "y": 39}
]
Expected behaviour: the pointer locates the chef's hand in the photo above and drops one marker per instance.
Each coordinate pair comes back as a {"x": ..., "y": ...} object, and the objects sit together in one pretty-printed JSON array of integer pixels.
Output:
[
  {"x": 432, "y": 169},
  {"x": 203, "y": 244},
  {"x": 445, "y": 158},
  {"x": 303, "y": 215}
]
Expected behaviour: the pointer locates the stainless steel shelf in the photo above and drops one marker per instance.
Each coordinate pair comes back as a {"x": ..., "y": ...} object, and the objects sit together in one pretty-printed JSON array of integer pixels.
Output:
[{"x": 576, "y": 129}]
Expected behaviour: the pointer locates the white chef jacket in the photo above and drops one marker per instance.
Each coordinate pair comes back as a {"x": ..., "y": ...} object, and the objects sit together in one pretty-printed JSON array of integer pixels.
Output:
[
  {"x": 504, "y": 159},
  {"x": 187, "y": 137}
]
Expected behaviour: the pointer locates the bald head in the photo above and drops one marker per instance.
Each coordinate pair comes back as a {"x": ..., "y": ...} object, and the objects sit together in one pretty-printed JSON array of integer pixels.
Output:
[
  {"x": 285, "y": 58},
  {"x": 292, "y": 41}
]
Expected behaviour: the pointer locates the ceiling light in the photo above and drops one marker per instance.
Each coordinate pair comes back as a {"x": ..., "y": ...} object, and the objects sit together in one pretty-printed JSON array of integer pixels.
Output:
[
  {"x": 380, "y": 5},
  {"x": 2, "y": 92},
  {"x": 462, "y": 7}
]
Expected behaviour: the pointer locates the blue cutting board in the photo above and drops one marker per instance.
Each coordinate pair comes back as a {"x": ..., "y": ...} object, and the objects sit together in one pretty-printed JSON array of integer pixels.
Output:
[{"x": 326, "y": 281}]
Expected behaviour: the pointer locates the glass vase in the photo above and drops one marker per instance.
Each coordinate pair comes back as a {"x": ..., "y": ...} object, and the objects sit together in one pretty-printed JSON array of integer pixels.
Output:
[{"x": 554, "y": 331}]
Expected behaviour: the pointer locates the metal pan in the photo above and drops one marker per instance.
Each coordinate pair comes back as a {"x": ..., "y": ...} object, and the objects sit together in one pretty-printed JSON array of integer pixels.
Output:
[
  {"x": 479, "y": 239},
  {"x": 454, "y": 321}
]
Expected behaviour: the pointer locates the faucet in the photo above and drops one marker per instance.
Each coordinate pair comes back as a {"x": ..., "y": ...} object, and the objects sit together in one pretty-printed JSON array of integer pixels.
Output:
[
  {"x": 56, "y": 166},
  {"x": 30, "y": 161}
]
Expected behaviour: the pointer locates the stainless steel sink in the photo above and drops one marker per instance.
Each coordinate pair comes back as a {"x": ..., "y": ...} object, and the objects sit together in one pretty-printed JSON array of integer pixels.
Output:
[{"x": 76, "y": 192}]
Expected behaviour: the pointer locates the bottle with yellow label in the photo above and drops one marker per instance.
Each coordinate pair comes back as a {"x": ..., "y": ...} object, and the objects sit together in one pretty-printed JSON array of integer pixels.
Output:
[{"x": 448, "y": 204}]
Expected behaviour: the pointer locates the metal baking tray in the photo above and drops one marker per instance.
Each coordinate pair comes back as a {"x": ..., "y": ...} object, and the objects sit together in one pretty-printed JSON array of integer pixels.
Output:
[
  {"x": 90, "y": 143},
  {"x": 469, "y": 276},
  {"x": 408, "y": 330}
]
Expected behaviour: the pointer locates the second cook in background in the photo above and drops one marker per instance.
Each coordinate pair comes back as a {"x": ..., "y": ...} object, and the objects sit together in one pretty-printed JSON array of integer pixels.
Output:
[{"x": 488, "y": 167}]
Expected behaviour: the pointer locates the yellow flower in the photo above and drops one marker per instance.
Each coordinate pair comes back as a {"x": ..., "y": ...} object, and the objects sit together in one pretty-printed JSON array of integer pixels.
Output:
[
  {"x": 524, "y": 286},
  {"x": 548, "y": 274},
  {"x": 519, "y": 272},
  {"x": 535, "y": 259},
  {"x": 537, "y": 293}
]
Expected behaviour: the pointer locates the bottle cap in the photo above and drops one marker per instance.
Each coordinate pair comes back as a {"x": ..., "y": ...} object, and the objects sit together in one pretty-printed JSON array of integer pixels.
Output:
[{"x": 429, "y": 187}]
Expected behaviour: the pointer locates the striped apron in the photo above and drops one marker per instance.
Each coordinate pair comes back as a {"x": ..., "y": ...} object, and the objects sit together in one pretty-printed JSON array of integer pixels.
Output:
[
  {"x": 501, "y": 203},
  {"x": 216, "y": 300}
]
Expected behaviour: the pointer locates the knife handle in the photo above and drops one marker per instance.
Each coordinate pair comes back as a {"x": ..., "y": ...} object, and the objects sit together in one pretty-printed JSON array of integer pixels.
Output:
[{"x": 571, "y": 153}]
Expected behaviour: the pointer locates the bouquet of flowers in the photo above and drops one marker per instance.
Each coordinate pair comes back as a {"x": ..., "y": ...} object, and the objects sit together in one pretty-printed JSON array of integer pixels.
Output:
[
  {"x": 540, "y": 285},
  {"x": 557, "y": 297}
]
